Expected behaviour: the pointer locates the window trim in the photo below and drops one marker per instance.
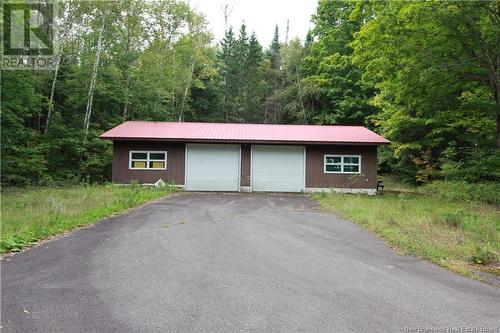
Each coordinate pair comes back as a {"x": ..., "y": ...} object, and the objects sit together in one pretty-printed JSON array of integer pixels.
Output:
[
  {"x": 342, "y": 164},
  {"x": 147, "y": 160}
]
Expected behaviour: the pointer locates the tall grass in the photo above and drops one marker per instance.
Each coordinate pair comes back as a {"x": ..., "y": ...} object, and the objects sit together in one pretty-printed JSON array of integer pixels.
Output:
[
  {"x": 29, "y": 215},
  {"x": 487, "y": 192},
  {"x": 451, "y": 233}
]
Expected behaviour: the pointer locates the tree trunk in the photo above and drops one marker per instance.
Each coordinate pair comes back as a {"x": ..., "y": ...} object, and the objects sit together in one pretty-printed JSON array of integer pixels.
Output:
[
  {"x": 226, "y": 10},
  {"x": 265, "y": 111},
  {"x": 498, "y": 126},
  {"x": 127, "y": 78},
  {"x": 125, "y": 111},
  {"x": 497, "y": 97},
  {"x": 266, "y": 102},
  {"x": 495, "y": 89},
  {"x": 186, "y": 89},
  {"x": 297, "y": 78},
  {"x": 287, "y": 30},
  {"x": 51, "y": 99},
  {"x": 224, "y": 108},
  {"x": 173, "y": 85},
  {"x": 126, "y": 101},
  {"x": 90, "y": 97},
  {"x": 275, "y": 99},
  {"x": 496, "y": 80}
]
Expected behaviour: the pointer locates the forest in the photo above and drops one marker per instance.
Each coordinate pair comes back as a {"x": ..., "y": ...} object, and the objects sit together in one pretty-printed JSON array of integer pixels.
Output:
[{"x": 424, "y": 74}]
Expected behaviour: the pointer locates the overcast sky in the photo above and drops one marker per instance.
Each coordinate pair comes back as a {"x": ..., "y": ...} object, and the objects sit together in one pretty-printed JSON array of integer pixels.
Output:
[{"x": 260, "y": 16}]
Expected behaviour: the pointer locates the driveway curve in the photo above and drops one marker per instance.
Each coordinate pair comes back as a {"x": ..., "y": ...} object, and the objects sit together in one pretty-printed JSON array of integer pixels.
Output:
[{"x": 207, "y": 262}]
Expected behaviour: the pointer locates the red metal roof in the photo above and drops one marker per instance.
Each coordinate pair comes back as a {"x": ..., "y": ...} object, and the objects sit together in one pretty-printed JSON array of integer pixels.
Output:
[{"x": 229, "y": 132}]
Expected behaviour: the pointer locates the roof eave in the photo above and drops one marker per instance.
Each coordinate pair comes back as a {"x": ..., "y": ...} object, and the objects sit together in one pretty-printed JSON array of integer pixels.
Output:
[{"x": 377, "y": 143}]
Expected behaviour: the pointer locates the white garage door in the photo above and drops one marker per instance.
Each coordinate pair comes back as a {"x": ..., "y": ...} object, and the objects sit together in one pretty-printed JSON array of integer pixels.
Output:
[
  {"x": 278, "y": 168},
  {"x": 212, "y": 167}
]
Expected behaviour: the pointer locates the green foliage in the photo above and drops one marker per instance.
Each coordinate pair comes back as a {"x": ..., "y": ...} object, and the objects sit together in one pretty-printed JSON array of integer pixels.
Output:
[
  {"x": 23, "y": 154},
  {"x": 241, "y": 68},
  {"x": 487, "y": 192},
  {"x": 32, "y": 214},
  {"x": 482, "y": 256},
  {"x": 154, "y": 55},
  {"x": 436, "y": 87},
  {"x": 274, "y": 81},
  {"x": 471, "y": 165},
  {"x": 341, "y": 97},
  {"x": 421, "y": 73},
  {"x": 452, "y": 219}
]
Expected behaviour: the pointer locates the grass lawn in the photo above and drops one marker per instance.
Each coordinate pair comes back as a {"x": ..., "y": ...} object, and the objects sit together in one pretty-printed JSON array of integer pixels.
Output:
[
  {"x": 457, "y": 235},
  {"x": 29, "y": 215},
  {"x": 393, "y": 183}
]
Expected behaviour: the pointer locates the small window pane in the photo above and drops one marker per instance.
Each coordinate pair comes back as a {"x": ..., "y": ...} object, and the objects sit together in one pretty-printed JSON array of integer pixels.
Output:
[
  {"x": 351, "y": 168},
  {"x": 331, "y": 159},
  {"x": 139, "y": 156},
  {"x": 351, "y": 160},
  {"x": 139, "y": 164},
  {"x": 157, "y": 165},
  {"x": 157, "y": 156},
  {"x": 333, "y": 168}
]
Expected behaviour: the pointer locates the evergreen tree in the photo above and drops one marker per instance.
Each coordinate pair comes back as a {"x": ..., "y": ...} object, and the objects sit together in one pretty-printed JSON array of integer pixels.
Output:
[
  {"x": 241, "y": 54},
  {"x": 241, "y": 47},
  {"x": 273, "y": 53},
  {"x": 309, "y": 39},
  {"x": 272, "y": 111},
  {"x": 241, "y": 69},
  {"x": 228, "y": 72},
  {"x": 255, "y": 81}
]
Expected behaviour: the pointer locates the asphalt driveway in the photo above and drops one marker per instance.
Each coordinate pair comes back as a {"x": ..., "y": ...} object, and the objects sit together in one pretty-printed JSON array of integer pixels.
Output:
[{"x": 233, "y": 262}]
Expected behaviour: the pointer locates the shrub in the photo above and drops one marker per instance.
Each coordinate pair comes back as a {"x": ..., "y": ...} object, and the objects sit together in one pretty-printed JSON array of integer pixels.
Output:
[
  {"x": 474, "y": 167},
  {"x": 451, "y": 219},
  {"x": 487, "y": 192},
  {"x": 482, "y": 256},
  {"x": 14, "y": 243}
]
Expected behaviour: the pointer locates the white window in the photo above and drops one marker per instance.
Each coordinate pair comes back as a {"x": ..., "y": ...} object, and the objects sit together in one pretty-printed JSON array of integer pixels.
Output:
[
  {"x": 148, "y": 160},
  {"x": 342, "y": 164}
]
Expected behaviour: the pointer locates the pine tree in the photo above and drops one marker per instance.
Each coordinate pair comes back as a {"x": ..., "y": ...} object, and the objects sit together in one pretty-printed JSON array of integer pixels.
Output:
[
  {"x": 272, "y": 112},
  {"x": 255, "y": 54},
  {"x": 309, "y": 39},
  {"x": 241, "y": 54},
  {"x": 255, "y": 82},
  {"x": 228, "y": 72},
  {"x": 274, "y": 49},
  {"x": 241, "y": 45}
]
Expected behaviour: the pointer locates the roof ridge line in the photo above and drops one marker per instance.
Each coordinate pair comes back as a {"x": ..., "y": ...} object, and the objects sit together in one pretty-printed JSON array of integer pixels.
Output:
[{"x": 212, "y": 123}]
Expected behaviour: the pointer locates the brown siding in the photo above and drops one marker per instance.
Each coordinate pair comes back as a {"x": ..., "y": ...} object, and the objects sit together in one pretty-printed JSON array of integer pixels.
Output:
[
  {"x": 245, "y": 164},
  {"x": 316, "y": 177},
  {"x": 175, "y": 162}
]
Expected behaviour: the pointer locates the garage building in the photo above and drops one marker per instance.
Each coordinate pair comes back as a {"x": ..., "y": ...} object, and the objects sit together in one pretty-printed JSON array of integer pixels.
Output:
[{"x": 246, "y": 157}]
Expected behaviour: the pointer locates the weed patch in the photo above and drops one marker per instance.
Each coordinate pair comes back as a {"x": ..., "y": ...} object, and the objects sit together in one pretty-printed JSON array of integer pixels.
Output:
[
  {"x": 455, "y": 234},
  {"x": 29, "y": 215}
]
